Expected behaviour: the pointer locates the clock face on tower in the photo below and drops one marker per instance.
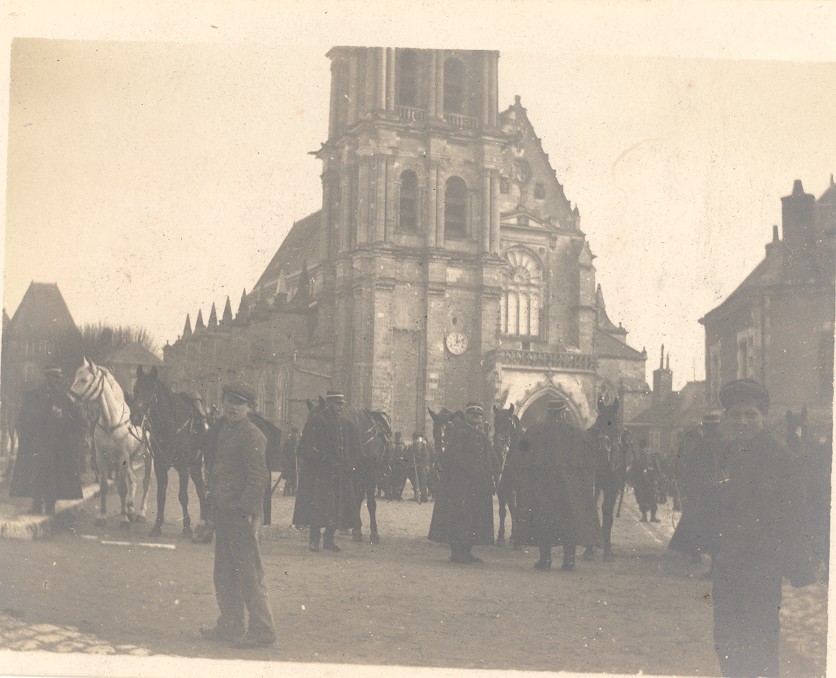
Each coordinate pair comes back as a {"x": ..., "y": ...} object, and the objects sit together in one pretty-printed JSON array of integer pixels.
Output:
[{"x": 456, "y": 343}]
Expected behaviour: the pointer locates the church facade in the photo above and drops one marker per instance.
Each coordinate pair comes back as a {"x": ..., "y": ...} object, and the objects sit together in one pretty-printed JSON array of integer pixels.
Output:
[{"x": 446, "y": 263}]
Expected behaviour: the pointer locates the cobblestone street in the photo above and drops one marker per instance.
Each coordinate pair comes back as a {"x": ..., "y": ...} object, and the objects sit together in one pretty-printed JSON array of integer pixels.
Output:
[{"x": 117, "y": 593}]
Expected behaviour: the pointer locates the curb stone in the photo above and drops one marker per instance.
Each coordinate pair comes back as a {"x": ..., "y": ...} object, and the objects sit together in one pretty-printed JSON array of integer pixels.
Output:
[{"x": 41, "y": 527}]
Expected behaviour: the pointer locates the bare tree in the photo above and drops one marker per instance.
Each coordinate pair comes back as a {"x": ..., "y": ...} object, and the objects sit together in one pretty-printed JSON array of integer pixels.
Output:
[{"x": 101, "y": 340}]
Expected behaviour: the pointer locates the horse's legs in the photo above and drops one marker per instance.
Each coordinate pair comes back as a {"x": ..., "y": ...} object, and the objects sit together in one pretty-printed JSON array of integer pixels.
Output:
[
  {"x": 360, "y": 489},
  {"x": 370, "y": 476},
  {"x": 146, "y": 486},
  {"x": 500, "y": 539},
  {"x": 607, "y": 509},
  {"x": 124, "y": 478},
  {"x": 183, "y": 496},
  {"x": 196, "y": 472},
  {"x": 101, "y": 521},
  {"x": 162, "y": 486}
]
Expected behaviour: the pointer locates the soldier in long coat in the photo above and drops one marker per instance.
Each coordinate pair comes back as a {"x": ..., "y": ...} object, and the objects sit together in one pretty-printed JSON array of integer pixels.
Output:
[
  {"x": 463, "y": 512},
  {"x": 645, "y": 477},
  {"x": 699, "y": 455},
  {"x": 330, "y": 452},
  {"x": 760, "y": 535},
  {"x": 48, "y": 426},
  {"x": 559, "y": 466}
]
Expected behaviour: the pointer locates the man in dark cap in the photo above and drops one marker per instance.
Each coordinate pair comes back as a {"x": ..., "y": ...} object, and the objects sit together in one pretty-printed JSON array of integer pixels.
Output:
[
  {"x": 237, "y": 479},
  {"x": 558, "y": 467},
  {"x": 760, "y": 535},
  {"x": 330, "y": 450},
  {"x": 463, "y": 514},
  {"x": 48, "y": 426},
  {"x": 418, "y": 458}
]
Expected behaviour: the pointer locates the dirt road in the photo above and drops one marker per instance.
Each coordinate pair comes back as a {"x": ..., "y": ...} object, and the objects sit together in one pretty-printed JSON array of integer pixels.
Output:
[{"x": 400, "y": 602}]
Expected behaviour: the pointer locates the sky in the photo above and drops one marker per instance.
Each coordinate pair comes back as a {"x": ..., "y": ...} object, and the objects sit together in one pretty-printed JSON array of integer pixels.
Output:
[{"x": 155, "y": 161}]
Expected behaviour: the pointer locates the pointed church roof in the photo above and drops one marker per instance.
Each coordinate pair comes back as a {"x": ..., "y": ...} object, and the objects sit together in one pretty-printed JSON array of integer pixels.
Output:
[
  {"x": 226, "y": 318},
  {"x": 604, "y": 322},
  {"x": 213, "y": 318},
  {"x": 187, "y": 328},
  {"x": 243, "y": 307},
  {"x": 42, "y": 313},
  {"x": 300, "y": 246},
  {"x": 198, "y": 324}
]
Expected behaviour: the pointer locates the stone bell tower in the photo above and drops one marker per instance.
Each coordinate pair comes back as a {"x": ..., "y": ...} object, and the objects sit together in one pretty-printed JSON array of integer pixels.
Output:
[{"x": 410, "y": 227}]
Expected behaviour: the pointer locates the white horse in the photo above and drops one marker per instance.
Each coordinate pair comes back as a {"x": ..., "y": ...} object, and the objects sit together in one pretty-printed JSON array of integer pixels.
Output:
[{"x": 116, "y": 440}]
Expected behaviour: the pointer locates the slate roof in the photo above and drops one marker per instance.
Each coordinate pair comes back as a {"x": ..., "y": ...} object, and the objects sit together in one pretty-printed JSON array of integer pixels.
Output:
[
  {"x": 42, "y": 313},
  {"x": 300, "y": 246},
  {"x": 610, "y": 347}
]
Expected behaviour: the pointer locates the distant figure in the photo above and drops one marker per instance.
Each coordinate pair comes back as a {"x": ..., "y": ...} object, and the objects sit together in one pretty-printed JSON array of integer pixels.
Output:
[
  {"x": 397, "y": 467},
  {"x": 463, "y": 515},
  {"x": 558, "y": 467},
  {"x": 48, "y": 427},
  {"x": 237, "y": 478},
  {"x": 697, "y": 460},
  {"x": 645, "y": 483},
  {"x": 760, "y": 535},
  {"x": 289, "y": 463},
  {"x": 417, "y": 463}
]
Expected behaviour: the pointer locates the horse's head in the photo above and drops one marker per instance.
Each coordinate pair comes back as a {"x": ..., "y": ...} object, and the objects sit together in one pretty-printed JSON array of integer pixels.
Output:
[
  {"x": 796, "y": 426},
  {"x": 441, "y": 421},
  {"x": 88, "y": 382},
  {"x": 505, "y": 423},
  {"x": 146, "y": 392}
]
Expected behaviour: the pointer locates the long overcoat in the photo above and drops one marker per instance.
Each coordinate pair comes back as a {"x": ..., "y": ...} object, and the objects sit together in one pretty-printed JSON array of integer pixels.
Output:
[
  {"x": 558, "y": 467},
  {"x": 698, "y": 465},
  {"x": 329, "y": 450},
  {"x": 760, "y": 538},
  {"x": 49, "y": 430},
  {"x": 463, "y": 510}
]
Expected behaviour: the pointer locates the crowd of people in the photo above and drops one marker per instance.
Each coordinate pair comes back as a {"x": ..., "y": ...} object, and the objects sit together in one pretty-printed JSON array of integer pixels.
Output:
[{"x": 741, "y": 492}]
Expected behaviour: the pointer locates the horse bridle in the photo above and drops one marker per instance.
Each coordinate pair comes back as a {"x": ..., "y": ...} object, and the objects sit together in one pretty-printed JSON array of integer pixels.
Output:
[{"x": 92, "y": 393}]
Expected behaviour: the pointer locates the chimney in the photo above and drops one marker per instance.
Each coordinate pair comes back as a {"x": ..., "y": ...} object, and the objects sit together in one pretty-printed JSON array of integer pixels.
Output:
[
  {"x": 798, "y": 220},
  {"x": 662, "y": 382}
]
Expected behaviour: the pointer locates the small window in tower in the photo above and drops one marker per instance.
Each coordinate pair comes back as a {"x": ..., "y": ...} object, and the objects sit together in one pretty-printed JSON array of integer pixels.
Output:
[
  {"x": 455, "y": 208},
  {"x": 454, "y": 86},
  {"x": 407, "y": 78},
  {"x": 504, "y": 185},
  {"x": 539, "y": 190},
  {"x": 409, "y": 201}
]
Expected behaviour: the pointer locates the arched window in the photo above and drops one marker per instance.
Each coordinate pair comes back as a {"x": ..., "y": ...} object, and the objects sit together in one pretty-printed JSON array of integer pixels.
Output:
[
  {"x": 408, "y": 69},
  {"x": 455, "y": 208},
  {"x": 409, "y": 201},
  {"x": 522, "y": 297},
  {"x": 454, "y": 86}
]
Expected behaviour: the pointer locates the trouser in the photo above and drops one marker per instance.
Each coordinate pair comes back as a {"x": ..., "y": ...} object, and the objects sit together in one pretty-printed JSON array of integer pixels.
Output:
[
  {"x": 419, "y": 483},
  {"x": 239, "y": 576},
  {"x": 747, "y": 626},
  {"x": 328, "y": 537}
]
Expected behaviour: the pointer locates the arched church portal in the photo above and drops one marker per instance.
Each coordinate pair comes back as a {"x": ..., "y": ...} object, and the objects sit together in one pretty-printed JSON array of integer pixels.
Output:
[{"x": 533, "y": 411}]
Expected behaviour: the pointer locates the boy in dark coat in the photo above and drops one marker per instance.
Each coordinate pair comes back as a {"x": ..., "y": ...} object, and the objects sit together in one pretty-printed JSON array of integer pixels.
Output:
[{"x": 760, "y": 535}]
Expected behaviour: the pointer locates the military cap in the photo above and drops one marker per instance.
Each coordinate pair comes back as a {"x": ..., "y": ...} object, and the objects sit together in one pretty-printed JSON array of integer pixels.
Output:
[
  {"x": 335, "y": 396},
  {"x": 557, "y": 405},
  {"x": 474, "y": 407},
  {"x": 239, "y": 391},
  {"x": 746, "y": 391}
]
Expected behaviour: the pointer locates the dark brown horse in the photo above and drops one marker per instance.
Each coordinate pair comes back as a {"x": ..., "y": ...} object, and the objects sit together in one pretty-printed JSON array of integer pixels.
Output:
[
  {"x": 507, "y": 432},
  {"x": 175, "y": 430},
  {"x": 610, "y": 468}
]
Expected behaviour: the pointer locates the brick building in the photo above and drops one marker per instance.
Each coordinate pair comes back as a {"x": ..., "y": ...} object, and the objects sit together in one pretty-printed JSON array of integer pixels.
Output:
[
  {"x": 445, "y": 265},
  {"x": 777, "y": 326}
]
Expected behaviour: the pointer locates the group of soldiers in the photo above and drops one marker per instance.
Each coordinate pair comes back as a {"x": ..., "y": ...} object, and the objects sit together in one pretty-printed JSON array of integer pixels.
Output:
[{"x": 415, "y": 462}]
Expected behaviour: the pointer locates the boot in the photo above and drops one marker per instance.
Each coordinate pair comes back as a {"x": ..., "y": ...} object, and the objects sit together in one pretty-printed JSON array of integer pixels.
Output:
[
  {"x": 545, "y": 561},
  {"x": 471, "y": 558},
  {"x": 328, "y": 540},
  {"x": 653, "y": 518},
  {"x": 568, "y": 558},
  {"x": 643, "y": 519},
  {"x": 314, "y": 539}
]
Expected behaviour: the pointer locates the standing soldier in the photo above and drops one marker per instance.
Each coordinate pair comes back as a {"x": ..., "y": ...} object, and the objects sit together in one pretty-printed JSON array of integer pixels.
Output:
[
  {"x": 760, "y": 535},
  {"x": 698, "y": 456},
  {"x": 398, "y": 467},
  {"x": 237, "y": 478},
  {"x": 330, "y": 450},
  {"x": 47, "y": 427},
  {"x": 289, "y": 468},
  {"x": 417, "y": 467},
  {"x": 463, "y": 515},
  {"x": 645, "y": 483},
  {"x": 559, "y": 467}
]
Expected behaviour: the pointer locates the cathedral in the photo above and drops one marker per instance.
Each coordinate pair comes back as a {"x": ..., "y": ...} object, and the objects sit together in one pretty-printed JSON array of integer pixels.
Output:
[{"x": 445, "y": 265}]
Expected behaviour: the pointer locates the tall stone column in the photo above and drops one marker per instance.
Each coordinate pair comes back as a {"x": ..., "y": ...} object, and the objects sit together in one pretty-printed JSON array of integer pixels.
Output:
[
  {"x": 391, "y": 75},
  {"x": 381, "y": 77},
  {"x": 381, "y": 207},
  {"x": 429, "y": 211},
  {"x": 494, "y": 211},
  {"x": 485, "y": 213},
  {"x": 432, "y": 93},
  {"x": 439, "y": 209},
  {"x": 486, "y": 88},
  {"x": 353, "y": 89},
  {"x": 493, "y": 89}
]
